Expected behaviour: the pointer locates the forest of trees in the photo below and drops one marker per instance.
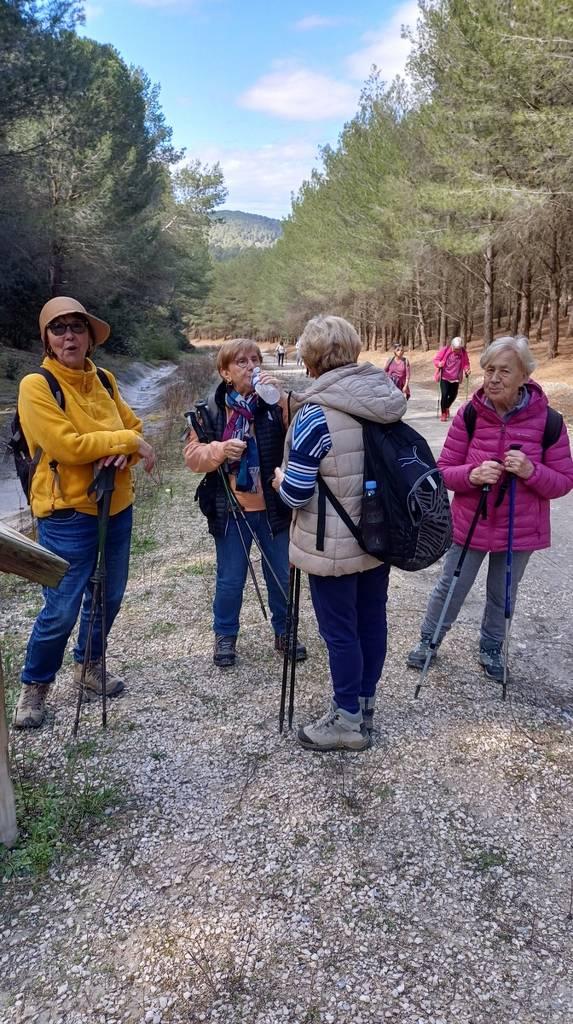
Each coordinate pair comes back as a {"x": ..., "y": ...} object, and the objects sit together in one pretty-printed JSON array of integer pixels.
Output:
[
  {"x": 90, "y": 202},
  {"x": 233, "y": 231},
  {"x": 447, "y": 205}
]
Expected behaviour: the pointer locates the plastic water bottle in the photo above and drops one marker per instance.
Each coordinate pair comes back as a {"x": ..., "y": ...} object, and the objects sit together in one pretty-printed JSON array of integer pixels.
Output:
[
  {"x": 268, "y": 392},
  {"x": 372, "y": 522}
]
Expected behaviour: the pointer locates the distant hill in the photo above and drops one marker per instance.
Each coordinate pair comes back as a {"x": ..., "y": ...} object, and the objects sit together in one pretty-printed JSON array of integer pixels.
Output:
[{"x": 233, "y": 231}]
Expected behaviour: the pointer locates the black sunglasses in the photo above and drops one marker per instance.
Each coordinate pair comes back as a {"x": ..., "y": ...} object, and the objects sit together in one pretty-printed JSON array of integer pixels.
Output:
[{"x": 59, "y": 329}]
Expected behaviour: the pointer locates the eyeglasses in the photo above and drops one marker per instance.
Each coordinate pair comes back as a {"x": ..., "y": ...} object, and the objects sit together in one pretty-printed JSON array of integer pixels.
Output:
[
  {"x": 76, "y": 326},
  {"x": 242, "y": 362}
]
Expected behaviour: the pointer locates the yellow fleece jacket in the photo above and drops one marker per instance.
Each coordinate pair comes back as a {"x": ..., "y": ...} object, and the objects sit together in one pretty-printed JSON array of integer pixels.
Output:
[{"x": 92, "y": 425}]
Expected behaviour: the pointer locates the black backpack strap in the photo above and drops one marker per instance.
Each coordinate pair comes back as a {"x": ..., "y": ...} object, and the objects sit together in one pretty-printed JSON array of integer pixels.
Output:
[
  {"x": 106, "y": 381},
  {"x": 324, "y": 492},
  {"x": 553, "y": 428},
  {"x": 470, "y": 417},
  {"x": 54, "y": 386}
]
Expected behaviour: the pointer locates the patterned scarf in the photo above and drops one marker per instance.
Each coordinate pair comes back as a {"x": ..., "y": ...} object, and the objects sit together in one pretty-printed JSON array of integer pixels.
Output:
[{"x": 240, "y": 425}]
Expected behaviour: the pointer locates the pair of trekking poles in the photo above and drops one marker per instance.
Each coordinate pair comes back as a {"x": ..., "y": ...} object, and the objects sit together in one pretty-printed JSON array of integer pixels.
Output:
[
  {"x": 481, "y": 511},
  {"x": 102, "y": 487},
  {"x": 292, "y": 600}
]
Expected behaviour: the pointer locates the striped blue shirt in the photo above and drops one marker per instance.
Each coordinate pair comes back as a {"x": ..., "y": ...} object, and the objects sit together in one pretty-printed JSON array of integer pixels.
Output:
[{"x": 311, "y": 441}]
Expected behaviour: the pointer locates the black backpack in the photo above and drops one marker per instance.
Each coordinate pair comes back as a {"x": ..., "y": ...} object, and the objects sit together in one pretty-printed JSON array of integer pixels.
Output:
[
  {"x": 551, "y": 433},
  {"x": 18, "y": 446},
  {"x": 411, "y": 494}
]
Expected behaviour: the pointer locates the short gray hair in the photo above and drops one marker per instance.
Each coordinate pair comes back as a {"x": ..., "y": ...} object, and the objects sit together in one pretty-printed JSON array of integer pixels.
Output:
[
  {"x": 519, "y": 345},
  {"x": 328, "y": 342}
]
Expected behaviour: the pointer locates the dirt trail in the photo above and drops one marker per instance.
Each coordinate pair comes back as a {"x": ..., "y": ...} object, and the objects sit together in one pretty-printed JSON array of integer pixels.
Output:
[{"x": 241, "y": 879}]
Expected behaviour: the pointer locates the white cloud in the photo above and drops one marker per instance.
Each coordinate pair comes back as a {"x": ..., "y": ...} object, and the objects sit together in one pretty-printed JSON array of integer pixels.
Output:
[
  {"x": 92, "y": 11},
  {"x": 299, "y": 94},
  {"x": 319, "y": 21},
  {"x": 261, "y": 180},
  {"x": 385, "y": 48}
]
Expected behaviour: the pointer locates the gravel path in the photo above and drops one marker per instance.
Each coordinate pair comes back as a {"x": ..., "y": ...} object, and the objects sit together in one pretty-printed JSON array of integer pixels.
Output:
[{"x": 241, "y": 879}]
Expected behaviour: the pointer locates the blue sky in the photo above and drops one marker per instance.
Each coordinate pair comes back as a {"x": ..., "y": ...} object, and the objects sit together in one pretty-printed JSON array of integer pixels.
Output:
[{"x": 256, "y": 85}]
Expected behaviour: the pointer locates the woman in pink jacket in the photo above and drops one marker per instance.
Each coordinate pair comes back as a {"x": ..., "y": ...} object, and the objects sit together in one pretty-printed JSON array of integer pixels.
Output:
[
  {"x": 451, "y": 363},
  {"x": 510, "y": 409}
]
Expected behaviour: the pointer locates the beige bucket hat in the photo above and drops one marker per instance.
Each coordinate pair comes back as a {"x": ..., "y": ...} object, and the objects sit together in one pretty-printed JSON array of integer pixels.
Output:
[{"x": 62, "y": 305}]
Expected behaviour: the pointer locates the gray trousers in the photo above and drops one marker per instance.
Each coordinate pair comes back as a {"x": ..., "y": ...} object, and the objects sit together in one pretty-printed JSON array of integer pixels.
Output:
[{"x": 493, "y": 622}]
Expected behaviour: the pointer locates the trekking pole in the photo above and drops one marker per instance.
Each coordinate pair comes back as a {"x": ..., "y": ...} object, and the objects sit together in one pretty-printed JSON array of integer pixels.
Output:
[
  {"x": 480, "y": 511},
  {"x": 233, "y": 506},
  {"x": 292, "y": 646},
  {"x": 232, "y": 499},
  {"x": 439, "y": 402},
  {"x": 102, "y": 486},
  {"x": 508, "y": 572},
  {"x": 467, "y": 386},
  {"x": 288, "y": 632}
]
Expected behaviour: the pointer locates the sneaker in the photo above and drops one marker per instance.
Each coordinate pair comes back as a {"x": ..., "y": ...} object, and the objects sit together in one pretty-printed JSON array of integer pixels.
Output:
[
  {"x": 417, "y": 657},
  {"x": 31, "y": 709},
  {"x": 224, "y": 650},
  {"x": 92, "y": 682},
  {"x": 336, "y": 730},
  {"x": 367, "y": 709},
  {"x": 492, "y": 662},
  {"x": 280, "y": 644},
  {"x": 444, "y": 417}
]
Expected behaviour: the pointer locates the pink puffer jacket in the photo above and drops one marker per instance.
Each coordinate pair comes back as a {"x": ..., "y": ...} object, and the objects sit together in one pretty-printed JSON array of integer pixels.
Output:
[{"x": 551, "y": 478}]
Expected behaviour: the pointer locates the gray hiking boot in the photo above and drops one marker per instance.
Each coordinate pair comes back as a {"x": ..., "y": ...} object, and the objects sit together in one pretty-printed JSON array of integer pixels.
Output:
[
  {"x": 92, "y": 682},
  {"x": 31, "y": 709},
  {"x": 417, "y": 656},
  {"x": 336, "y": 730},
  {"x": 224, "y": 650},
  {"x": 492, "y": 661}
]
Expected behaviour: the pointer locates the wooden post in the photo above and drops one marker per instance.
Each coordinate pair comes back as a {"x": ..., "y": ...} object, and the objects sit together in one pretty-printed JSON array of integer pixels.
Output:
[
  {"x": 8, "y": 827},
  {"x": 22, "y": 556}
]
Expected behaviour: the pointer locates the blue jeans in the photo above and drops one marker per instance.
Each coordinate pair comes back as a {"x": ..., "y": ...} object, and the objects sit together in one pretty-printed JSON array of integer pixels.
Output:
[
  {"x": 232, "y": 572},
  {"x": 351, "y": 616},
  {"x": 76, "y": 539}
]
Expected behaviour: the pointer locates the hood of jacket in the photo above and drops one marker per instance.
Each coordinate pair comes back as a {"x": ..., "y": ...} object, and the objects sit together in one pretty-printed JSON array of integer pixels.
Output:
[{"x": 359, "y": 389}]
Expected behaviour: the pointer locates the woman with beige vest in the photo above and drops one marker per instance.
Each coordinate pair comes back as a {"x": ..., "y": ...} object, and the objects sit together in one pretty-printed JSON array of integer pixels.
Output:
[{"x": 348, "y": 587}]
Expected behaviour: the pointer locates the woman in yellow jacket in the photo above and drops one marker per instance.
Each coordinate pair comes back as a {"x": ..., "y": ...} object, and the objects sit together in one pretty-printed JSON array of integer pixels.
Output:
[{"x": 90, "y": 428}]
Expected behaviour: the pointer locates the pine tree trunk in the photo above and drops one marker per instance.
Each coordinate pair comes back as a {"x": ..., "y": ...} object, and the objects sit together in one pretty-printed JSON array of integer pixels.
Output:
[
  {"x": 540, "y": 319},
  {"x": 554, "y": 295},
  {"x": 488, "y": 296},
  {"x": 525, "y": 311},
  {"x": 514, "y": 323},
  {"x": 443, "y": 326}
]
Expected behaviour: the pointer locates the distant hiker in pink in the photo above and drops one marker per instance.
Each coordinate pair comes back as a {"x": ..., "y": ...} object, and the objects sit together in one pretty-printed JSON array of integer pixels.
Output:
[
  {"x": 451, "y": 363},
  {"x": 398, "y": 370},
  {"x": 507, "y": 430}
]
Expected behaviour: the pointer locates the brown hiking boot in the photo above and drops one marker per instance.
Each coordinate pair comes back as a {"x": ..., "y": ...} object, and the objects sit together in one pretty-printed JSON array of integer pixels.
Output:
[
  {"x": 31, "y": 709},
  {"x": 92, "y": 681}
]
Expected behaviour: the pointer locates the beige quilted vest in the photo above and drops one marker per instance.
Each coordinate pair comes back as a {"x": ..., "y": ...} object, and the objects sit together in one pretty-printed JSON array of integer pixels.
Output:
[{"x": 359, "y": 390}]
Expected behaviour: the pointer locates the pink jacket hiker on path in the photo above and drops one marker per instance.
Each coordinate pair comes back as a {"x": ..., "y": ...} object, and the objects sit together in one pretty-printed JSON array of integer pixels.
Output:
[
  {"x": 451, "y": 364},
  {"x": 552, "y": 477}
]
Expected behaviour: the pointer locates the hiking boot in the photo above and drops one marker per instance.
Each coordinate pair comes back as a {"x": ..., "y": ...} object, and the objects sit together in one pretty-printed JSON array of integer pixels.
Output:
[
  {"x": 417, "y": 657},
  {"x": 92, "y": 682},
  {"x": 31, "y": 709},
  {"x": 280, "y": 645},
  {"x": 492, "y": 661},
  {"x": 224, "y": 650},
  {"x": 367, "y": 709},
  {"x": 336, "y": 730}
]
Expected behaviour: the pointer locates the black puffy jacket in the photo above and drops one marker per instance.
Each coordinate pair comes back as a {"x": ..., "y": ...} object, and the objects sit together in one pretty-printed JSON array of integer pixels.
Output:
[{"x": 209, "y": 419}]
